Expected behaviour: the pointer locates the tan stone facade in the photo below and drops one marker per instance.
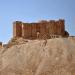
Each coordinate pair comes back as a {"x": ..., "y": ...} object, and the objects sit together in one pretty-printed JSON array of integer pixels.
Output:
[{"x": 40, "y": 30}]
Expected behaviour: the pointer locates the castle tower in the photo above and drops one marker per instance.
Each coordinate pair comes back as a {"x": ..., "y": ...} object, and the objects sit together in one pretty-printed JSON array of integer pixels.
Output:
[
  {"x": 61, "y": 24},
  {"x": 17, "y": 29},
  {"x": 26, "y": 30},
  {"x": 33, "y": 31},
  {"x": 0, "y": 44}
]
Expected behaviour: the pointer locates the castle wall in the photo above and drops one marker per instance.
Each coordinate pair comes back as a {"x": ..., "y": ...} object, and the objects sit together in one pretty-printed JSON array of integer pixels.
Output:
[
  {"x": 33, "y": 31},
  {"x": 60, "y": 27},
  {"x": 51, "y": 29},
  {"x": 41, "y": 30},
  {"x": 26, "y": 30},
  {"x": 17, "y": 29},
  {"x": 0, "y": 44}
]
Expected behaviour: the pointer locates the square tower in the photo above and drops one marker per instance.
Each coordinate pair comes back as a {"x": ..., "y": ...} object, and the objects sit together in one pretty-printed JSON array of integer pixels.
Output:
[
  {"x": 17, "y": 29},
  {"x": 0, "y": 44}
]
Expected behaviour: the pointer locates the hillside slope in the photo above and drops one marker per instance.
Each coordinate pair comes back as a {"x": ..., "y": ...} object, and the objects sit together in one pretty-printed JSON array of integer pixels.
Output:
[{"x": 39, "y": 57}]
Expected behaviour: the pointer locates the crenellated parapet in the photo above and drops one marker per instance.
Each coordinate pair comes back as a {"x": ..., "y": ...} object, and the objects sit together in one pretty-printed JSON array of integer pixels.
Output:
[{"x": 42, "y": 29}]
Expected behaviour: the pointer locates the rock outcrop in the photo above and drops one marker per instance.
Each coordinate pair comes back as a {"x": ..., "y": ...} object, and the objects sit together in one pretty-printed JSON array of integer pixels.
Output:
[{"x": 39, "y": 57}]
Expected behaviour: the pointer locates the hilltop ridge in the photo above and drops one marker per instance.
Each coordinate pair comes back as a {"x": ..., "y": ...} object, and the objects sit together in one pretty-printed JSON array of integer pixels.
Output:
[{"x": 39, "y": 57}]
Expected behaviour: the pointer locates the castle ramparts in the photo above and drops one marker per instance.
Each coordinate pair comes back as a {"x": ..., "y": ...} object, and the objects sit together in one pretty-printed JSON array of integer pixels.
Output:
[{"x": 40, "y": 30}]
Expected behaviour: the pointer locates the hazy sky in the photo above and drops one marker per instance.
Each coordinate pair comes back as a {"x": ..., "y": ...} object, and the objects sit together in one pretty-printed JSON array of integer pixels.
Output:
[{"x": 33, "y": 10}]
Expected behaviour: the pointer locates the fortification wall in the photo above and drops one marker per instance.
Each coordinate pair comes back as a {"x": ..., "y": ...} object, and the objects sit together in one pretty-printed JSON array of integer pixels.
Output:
[
  {"x": 56, "y": 27},
  {"x": 41, "y": 30},
  {"x": 29, "y": 30},
  {"x": 60, "y": 27},
  {"x": 17, "y": 29},
  {"x": 0, "y": 44},
  {"x": 34, "y": 30}
]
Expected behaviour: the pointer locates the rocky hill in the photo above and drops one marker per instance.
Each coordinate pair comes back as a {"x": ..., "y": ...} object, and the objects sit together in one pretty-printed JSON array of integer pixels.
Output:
[{"x": 38, "y": 57}]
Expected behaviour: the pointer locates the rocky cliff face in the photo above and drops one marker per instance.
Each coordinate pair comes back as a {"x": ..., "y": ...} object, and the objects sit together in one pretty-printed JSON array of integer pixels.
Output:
[{"x": 39, "y": 57}]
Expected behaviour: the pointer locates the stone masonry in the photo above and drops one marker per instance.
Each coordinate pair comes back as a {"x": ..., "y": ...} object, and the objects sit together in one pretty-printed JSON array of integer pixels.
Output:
[
  {"x": 40, "y": 30},
  {"x": 0, "y": 44}
]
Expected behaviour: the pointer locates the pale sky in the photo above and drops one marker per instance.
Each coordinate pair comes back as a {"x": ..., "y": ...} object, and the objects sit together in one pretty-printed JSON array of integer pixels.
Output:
[{"x": 34, "y": 10}]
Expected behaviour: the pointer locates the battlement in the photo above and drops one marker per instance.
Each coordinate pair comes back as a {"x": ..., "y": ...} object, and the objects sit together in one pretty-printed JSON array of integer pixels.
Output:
[{"x": 40, "y": 30}]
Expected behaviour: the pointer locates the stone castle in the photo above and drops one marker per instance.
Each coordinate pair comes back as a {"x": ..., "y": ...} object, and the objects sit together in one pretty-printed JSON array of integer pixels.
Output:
[{"x": 40, "y": 30}]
